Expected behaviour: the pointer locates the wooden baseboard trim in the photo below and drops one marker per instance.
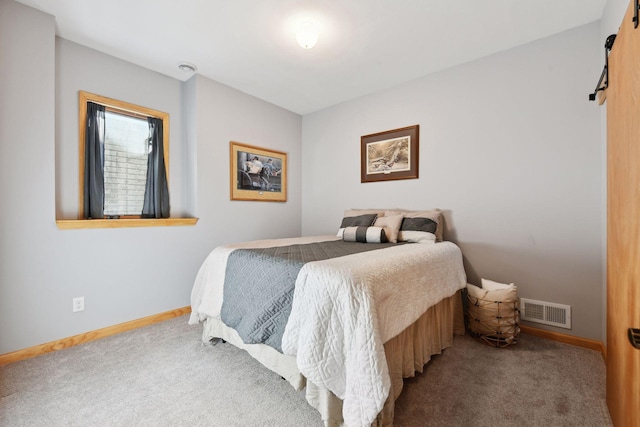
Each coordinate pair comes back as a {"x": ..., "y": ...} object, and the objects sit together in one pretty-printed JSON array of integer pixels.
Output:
[
  {"x": 567, "y": 339},
  {"x": 149, "y": 320},
  {"x": 90, "y": 336}
]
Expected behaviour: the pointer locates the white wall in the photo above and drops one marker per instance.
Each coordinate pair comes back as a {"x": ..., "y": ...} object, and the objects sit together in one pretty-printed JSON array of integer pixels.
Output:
[
  {"x": 225, "y": 115},
  {"x": 124, "y": 274},
  {"x": 509, "y": 146},
  {"x": 80, "y": 68},
  {"x": 27, "y": 172}
]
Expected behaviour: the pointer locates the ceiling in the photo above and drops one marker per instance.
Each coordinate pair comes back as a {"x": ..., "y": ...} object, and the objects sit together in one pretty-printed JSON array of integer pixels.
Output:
[{"x": 364, "y": 45}]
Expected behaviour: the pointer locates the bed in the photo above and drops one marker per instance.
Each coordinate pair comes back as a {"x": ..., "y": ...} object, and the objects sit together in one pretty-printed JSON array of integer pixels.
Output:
[{"x": 364, "y": 309}]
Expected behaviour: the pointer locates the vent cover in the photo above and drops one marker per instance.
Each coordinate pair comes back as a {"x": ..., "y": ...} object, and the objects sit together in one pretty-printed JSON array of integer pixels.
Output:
[{"x": 547, "y": 313}]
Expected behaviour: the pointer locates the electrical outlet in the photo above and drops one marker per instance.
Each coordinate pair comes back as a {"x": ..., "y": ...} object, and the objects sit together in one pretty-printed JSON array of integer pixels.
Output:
[{"x": 78, "y": 304}]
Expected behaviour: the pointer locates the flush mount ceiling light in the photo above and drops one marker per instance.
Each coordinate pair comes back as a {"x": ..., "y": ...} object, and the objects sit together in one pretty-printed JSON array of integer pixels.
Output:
[
  {"x": 187, "y": 67},
  {"x": 307, "y": 35}
]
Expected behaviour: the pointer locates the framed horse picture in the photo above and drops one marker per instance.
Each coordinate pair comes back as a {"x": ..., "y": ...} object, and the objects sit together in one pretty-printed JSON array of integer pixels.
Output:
[{"x": 258, "y": 174}]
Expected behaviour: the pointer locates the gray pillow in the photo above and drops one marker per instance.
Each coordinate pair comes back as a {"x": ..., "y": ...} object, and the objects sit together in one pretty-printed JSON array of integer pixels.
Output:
[{"x": 359, "y": 221}]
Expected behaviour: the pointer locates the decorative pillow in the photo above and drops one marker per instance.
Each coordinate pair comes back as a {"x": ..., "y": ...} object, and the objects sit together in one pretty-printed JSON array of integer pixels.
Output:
[
  {"x": 364, "y": 235},
  {"x": 391, "y": 225},
  {"x": 434, "y": 215},
  {"x": 365, "y": 220},
  {"x": 418, "y": 226}
]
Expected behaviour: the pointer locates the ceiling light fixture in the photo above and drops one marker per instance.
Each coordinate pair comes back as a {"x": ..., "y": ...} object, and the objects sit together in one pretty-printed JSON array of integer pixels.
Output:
[
  {"x": 187, "y": 67},
  {"x": 307, "y": 35}
]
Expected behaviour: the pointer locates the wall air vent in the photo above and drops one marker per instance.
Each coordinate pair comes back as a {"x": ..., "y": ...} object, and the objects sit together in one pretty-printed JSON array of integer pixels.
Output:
[{"x": 546, "y": 313}]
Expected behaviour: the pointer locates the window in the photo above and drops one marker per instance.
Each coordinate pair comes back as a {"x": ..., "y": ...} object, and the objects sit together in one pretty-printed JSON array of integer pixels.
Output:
[
  {"x": 123, "y": 160},
  {"x": 126, "y": 154}
]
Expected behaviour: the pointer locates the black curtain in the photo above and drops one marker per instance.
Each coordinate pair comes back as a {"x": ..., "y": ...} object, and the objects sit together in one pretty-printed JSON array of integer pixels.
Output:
[
  {"x": 94, "y": 162},
  {"x": 156, "y": 195}
]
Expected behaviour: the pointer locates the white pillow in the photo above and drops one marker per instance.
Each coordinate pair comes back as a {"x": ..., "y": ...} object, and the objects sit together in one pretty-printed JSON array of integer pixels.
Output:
[{"x": 490, "y": 285}]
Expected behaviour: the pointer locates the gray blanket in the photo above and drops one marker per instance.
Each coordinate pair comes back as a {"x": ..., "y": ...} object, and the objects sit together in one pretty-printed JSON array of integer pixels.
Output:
[{"x": 259, "y": 285}]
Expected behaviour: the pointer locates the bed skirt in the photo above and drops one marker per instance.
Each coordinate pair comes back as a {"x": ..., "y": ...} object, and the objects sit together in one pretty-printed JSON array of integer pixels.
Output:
[{"x": 406, "y": 354}]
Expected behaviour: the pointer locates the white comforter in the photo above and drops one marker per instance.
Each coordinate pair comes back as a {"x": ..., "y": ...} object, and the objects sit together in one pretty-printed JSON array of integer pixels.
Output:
[{"x": 345, "y": 308}]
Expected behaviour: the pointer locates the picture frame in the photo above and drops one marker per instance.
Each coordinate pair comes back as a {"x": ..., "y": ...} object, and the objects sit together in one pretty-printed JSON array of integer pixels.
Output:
[
  {"x": 390, "y": 155},
  {"x": 257, "y": 174}
]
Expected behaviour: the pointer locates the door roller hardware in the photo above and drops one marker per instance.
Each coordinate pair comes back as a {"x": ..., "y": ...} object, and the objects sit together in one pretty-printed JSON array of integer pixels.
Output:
[
  {"x": 634, "y": 337},
  {"x": 603, "y": 83}
]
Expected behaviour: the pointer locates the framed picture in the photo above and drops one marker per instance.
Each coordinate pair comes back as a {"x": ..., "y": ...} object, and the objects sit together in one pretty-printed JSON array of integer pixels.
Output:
[
  {"x": 390, "y": 155},
  {"x": 258, "y": 173}
]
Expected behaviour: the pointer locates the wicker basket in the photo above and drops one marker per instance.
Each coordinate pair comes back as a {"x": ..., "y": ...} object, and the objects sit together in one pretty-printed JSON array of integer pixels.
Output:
[{"x": 496, "y": 323}]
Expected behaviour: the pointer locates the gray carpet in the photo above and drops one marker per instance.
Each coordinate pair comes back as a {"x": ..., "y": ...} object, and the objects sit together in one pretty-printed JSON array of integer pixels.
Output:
[
  {"x": 535, "y": 382},
  {"x": 161, "y": 375}
]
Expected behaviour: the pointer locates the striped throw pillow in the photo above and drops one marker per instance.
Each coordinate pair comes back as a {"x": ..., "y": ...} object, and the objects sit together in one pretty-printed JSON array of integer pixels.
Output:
[
  {"x": 357, "y": 221},
  {"x": 364, "y": 235}
]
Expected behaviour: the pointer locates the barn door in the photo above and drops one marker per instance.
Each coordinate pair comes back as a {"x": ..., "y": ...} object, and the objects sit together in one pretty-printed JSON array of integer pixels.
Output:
[{"x": 623, "y": 225}]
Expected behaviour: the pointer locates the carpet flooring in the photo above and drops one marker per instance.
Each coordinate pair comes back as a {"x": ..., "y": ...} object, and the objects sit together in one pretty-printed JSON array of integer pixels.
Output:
[{"x": 162, "y": 375}]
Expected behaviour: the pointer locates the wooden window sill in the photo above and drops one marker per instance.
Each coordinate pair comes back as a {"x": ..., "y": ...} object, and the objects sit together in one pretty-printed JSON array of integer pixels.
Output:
[{"x": 74, "y": 224}]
